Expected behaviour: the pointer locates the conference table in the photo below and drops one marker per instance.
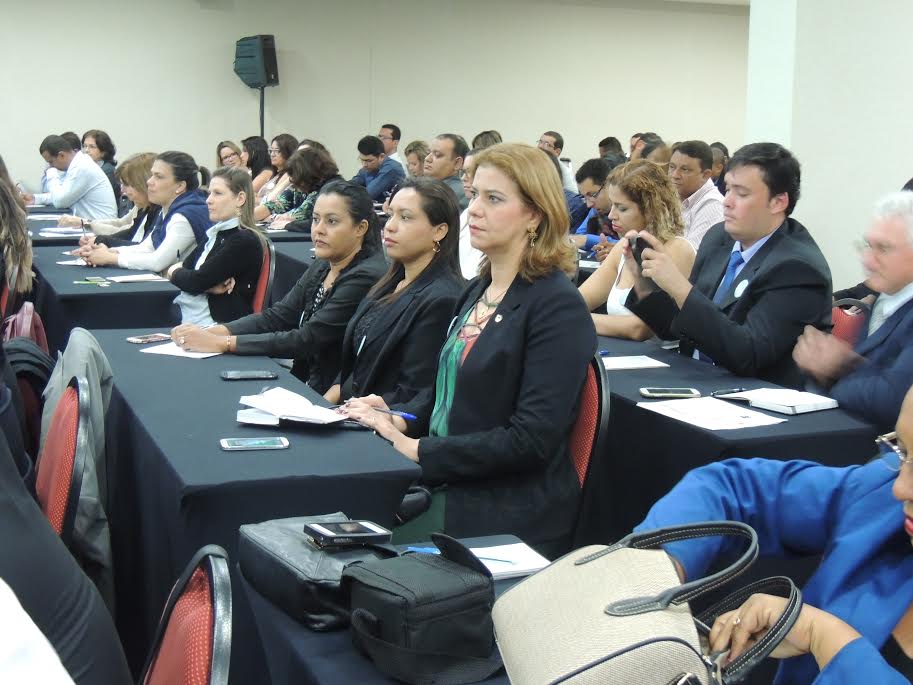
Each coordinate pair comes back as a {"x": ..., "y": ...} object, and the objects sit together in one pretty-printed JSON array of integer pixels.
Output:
[
  {"x": 64, "y": 301},
  {"x": 292, "y": 260},
  {"x": 173, "y": 489},
  {"x": 36, "y": 226}
]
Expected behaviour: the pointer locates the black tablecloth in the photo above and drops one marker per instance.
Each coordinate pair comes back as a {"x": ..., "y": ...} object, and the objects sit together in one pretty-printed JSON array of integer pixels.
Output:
[
  {"x": 647, "y": 453},
  {"x": 298, "y": 655},
  {"x": 288, "y": 236},
  {"x": 173, "y": 489},
  {"x": 64, "y": 304},
  {"x": 35, "y": 226},
  {"x": 292, "y": 260},
  {"x": 46, "y": 209}
]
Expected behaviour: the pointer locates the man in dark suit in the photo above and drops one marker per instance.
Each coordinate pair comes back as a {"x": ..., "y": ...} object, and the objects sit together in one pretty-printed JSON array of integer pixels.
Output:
[
  {"x": 758, "y": 280},
  {"x": 872, "y": 379}
]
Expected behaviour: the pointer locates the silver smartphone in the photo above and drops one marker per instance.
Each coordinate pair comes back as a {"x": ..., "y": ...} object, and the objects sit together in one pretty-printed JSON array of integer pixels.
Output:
[
  {"x": 669, "y": 393},
  {"x": 232, "y": 444}
]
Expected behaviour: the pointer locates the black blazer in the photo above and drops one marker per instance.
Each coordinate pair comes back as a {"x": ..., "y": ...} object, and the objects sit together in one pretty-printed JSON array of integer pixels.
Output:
[
  {"x": 237, "y": 254},
  {"x": 505, "y": 461},
  {"x": 787, "y": 286},
  {"x": 315, "y": 344},
  {"x": 398, "y": 357}
]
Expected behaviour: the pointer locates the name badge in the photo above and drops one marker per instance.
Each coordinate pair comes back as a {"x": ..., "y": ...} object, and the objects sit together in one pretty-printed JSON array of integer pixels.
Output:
[{"x": 740, "y": 288}]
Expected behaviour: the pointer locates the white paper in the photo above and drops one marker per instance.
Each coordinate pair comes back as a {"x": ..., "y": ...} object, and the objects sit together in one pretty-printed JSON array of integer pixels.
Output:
[
  {"x": 637, "y": 361},
  {"x": 784, "y": 396},
  {"x": 291, "y": 406},
  {"x": 589, "y": 264},
  {"x": 170, "y": 348},
  {"x": 510, "y": 561},
  {"x": 62, "y": 230},
  {"x": 137, "y": 278},
  {"x": 711, "y": 413},
  {"x": 72, "y": 262},
  {"x": 44, "y": 217},
  {"x": 256, "y": 417}
]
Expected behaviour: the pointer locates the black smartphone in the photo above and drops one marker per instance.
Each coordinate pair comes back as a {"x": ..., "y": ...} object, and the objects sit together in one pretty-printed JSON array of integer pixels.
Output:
[
  {"x": 336, "y": 533},
  {"x": 248, "y": 375},
  {"x": 637, "y": 248}
]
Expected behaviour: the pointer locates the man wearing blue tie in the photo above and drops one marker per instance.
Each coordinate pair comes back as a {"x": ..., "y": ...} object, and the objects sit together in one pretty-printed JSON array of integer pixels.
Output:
[{"x": 759, "y": 277}]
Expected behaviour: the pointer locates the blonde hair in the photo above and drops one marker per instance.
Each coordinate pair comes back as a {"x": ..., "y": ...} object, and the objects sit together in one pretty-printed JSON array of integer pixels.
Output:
[
  {"x": 540, "y": 188},
  {"x": 14, "y": 239},
  {"x": 648, "y": 186},
  {"x": 136, "y": 170}
]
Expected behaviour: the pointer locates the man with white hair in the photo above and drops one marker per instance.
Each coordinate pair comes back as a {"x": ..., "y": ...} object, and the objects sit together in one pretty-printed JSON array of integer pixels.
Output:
[{"x": 872, "y": 378}]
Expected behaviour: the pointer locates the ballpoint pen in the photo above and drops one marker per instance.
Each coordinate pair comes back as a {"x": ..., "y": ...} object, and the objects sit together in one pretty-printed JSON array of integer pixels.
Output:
[
  {"x": 401, "y": 414},
  {"x": 726, "y": 392}
]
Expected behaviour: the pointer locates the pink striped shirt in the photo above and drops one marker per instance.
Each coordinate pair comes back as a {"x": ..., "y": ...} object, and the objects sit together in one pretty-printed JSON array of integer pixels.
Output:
[{"x": 701, "y": 211}]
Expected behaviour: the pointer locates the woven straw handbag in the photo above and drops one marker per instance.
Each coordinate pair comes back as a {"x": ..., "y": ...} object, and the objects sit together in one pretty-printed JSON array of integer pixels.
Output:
[{"x": 619, "y": 615}]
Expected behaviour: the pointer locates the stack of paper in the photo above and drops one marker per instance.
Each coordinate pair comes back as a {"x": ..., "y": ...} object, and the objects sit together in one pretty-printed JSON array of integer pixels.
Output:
[
  {"x": 137, "y": 278},
  {"x": 710, "y": 413},
  {"x": 637, "y": 361},
  {"x": 278, "y": 403},
  {"x": 783, "y": 400},
  {"x": 173, "y": 350}
]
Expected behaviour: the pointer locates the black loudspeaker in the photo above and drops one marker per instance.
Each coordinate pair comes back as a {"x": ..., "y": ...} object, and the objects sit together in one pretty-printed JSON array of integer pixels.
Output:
[{"x": 255, "y": 61}]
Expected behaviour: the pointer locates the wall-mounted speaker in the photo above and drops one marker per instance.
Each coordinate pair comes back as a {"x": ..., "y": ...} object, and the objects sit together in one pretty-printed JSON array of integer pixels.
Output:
[{"x": 255, "y": 61}]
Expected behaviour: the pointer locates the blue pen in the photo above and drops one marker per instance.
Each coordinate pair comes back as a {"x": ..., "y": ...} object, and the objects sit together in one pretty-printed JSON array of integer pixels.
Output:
[
  {"x": 401, "y": 414},
  {"x": 605, "y": 353}
]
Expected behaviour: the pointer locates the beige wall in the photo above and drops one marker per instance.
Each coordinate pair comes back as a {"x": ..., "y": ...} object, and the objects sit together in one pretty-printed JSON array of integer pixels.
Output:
[{"x": 158, "y": 75}]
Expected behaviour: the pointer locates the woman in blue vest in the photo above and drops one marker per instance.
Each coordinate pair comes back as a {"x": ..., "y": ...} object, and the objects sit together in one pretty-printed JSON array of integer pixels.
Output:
[{"x": 181, "y": 224}]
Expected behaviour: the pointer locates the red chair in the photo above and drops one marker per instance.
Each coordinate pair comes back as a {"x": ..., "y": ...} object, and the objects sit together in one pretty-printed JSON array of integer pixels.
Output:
[
  {"x": 192, "y": 644},
  {"x": 63, "y": 459},
  {"x": 848, "y": 323},
  {"x": 588, "y": 434},
  {"x": 267, "y": 273}
]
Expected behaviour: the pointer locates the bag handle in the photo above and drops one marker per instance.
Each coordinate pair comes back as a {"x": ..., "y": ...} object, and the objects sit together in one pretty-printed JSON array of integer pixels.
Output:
[
  {"x": 420, "y": 668},
  {"x": 653, "y": 539},
  {"x": 776, "y": 585}
]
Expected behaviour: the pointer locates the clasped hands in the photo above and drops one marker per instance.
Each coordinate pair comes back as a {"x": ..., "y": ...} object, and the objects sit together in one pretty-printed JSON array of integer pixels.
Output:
[{"x": 391, "y": 428}]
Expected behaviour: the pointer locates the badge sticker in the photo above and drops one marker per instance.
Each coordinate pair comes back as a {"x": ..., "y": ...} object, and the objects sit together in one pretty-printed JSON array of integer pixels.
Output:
[
  {"x": 740, "y": 288},
  {"x": 498, "y": 318}
]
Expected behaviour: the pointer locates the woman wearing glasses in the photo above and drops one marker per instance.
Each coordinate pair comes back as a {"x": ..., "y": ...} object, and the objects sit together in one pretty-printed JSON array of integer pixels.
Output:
[
  {"x": 280, "y": 149},
  {"x": 858, "y": 618},
  {"x": 228, "y": 154},
  {"x": 642, "y": 199}
]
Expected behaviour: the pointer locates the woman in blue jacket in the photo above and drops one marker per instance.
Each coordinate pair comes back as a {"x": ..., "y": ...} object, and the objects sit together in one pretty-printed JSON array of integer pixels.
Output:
[{"x": 858, "y": 618}]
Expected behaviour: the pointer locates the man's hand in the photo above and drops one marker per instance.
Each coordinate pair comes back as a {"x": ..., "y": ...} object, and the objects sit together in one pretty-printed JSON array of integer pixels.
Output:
[
  {"x": 824, "y": 357},
  {"x": 602, "y": 248}
]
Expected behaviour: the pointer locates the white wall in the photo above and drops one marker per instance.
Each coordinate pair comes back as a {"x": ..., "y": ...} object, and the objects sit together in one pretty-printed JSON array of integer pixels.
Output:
[{"x": 158, "y": 75}]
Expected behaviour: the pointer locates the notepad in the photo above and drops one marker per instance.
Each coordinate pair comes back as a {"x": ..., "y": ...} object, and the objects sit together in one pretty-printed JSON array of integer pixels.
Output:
[
  {"x": 637, "y": 361},
  {"x": 289, "y": 406},
  {"x": 173, "y": 350},
  {"x": 503, "y": 561},
  {"x": 137, "y": 278},
  {"x": 783, "y": 400},
  {"x": 710, "y": 413}
]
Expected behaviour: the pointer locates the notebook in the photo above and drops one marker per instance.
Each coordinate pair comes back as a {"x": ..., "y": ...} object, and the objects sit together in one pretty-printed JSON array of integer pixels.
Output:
[
  {"x": 783, "y": 400},
  {"x": 278, "y": 403}
]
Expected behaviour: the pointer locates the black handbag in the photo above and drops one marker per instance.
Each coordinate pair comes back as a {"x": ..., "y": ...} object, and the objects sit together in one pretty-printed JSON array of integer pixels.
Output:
[
  {"x": 282, "y": 563},
  {"x": 425, "y": 618}
]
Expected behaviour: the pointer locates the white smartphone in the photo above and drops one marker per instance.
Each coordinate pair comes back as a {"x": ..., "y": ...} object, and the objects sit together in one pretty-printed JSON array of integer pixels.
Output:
[
  {"x": 231, "y": 444},
  {"x": 669, "y": 393},
  {"x": 148, "y": 338},
  {"x": 347, "y": 532}
]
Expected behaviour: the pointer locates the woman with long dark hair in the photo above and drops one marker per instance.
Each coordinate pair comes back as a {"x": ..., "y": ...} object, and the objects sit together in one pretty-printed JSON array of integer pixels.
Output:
[{"x": 255, "y": 156}]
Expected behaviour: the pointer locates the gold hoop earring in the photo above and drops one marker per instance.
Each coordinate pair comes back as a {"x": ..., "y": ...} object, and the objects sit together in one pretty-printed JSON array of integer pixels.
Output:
[{"x": 436, "y": 247}]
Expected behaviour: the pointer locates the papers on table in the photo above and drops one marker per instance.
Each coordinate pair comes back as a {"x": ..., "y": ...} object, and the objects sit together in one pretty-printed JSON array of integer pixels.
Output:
[
  {"x": 783, "y": 400},
  {"x": 280, "y": 403},
  {"x": 46, "y": 217},
  {"x": 637, "y": 361},
  {"x": 710, "y": 413},
  {"x": 62, "y": 230},
  {"x": 72, "y": 262},
  {"x": 173, "y": 350},
  {"x": 136, "y": 278},
  {"x": 510, "y": 561}
]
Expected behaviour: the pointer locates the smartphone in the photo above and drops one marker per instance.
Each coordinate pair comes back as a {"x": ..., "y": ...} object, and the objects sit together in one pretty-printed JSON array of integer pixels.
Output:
[
  {"x": 669, "y": 393},
  {"x": 231, "y": 444},
  {"x": 248, "y": 375},
  {"x": 637, "y": 248},
  {"x": 336, "y": 533},
  {"x": 97, "y": 279},
  {"x": 150, "y": 338}
]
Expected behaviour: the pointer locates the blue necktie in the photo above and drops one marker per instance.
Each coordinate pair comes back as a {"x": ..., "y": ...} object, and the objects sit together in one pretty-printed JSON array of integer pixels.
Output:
[{"x": 735, "y": 261}]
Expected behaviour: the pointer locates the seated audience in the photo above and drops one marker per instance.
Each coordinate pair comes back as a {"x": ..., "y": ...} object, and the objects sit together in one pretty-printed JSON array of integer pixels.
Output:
[
  {"x": 280, "y": 149},
  {"x": 391, "y": 343},
  {"x": 228, "y": 154},
  {"x": 73, "y": 139},
  {"x": 658, "y": 153},
  {"x": 720, "y": 162},
  {"x": 871, "y": 379},
  {"x": 856, "y": 624},
  {"x": 255, "y": 156},
  {"x": 135, "y": 226},
  {"x": 390, "y": 135},
  {"x": 758, "y": 280},
  {"x": 309, "y": 322},
  {"x": 642, "y": 199},
  {"x": 182, "y": 222},
  {"x": 219, "y": 278},
  {"x": 416, "y": 151},
  {"x": 99, "y": 146},
  {"x": 378, "y": 173},
  {"x": 309, "y": 169},
  {"x": 470, "y": 257},
  {"x": 491, "y": 431},
  {"x": 595, "y": 232},
  {"x": 552, "y": 142},
  {"x": 702, "y": 205},
  {"x": 444, "y": 161},
  {"x": 486, "y": 139},
  {"x": 644, "y": 141},
  {"x": 610, "y": 146},
  {"x": 74, "y": 180},
  {"x": 576, "y": 206}
]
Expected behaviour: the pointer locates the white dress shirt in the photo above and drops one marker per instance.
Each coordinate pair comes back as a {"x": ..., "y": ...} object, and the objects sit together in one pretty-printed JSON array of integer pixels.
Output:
[
  {"x": 83, "y": 187},
  {"x": 470, "y": 257},
  {"x": 567, "y": 177},
  {"x": 700, "y": 211},
  {"x": 886, "y": 305},
  {"x": 399, "y": 160}
]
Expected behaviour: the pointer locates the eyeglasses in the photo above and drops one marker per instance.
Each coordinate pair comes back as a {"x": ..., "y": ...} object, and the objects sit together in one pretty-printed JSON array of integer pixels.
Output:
[
  {"x": 227, "y": 158},
  {"x": 90, "y": 146},
  {"x": 593, "y": 196},
  {"x": 274, "y": 151},
  {"x": 545, "y": 143},
  {"x": 892, "y": 454},
  {"x": 385, "y": 137}
]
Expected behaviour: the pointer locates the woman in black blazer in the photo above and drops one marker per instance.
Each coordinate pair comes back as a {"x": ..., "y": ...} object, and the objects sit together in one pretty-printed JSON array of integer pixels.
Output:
[
  {"x": 496, "y": 423},
  {"x": 218, "y": 279},
  {"x": 309, "y": 322},
  {"x": 391, "y": 344}
]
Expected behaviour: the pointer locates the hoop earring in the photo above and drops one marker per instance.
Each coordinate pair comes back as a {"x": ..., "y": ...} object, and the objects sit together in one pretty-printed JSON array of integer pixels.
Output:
[{"x": 436, "y": 247}]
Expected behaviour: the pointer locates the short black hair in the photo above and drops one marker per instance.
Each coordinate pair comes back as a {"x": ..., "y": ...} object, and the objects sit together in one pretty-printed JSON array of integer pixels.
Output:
[
  {"x": 611, "y": 144},
  {"x": 559, "y": 139},
  {"x": 779, "y": 169},
  {"x": 722, "y": 148},
  {"x": 73, "y": 140},
  {"x": 696, "y": 149},
  {"x": 460, "y": 146},
  {"x": 394, "y": 130},
  {"x": 596, "y": 169},
  {"x": 54, "y": 145},
  {"x": 371, "y": 145}
]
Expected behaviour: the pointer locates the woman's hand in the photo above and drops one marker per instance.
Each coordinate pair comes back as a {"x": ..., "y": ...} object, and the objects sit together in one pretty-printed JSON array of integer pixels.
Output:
[
  {"x": 280, "y": 221},
  {"x": 334, "y": 394},
  {"x": 98, "y": 255},
  {"x": 391, "y": 428},
  {"x": 86, "y": 241},
  {"x": 223, "y": 288},
  {"x": 171, "y": 269},
  {"x": 69, "y": 220},
  {"x": 816, "y": 632},
  {"x": 195, "y": 339}
]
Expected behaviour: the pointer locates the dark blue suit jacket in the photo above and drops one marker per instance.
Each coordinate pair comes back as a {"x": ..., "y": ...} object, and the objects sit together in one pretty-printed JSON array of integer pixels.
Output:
[{"x": 875, "y": 389}]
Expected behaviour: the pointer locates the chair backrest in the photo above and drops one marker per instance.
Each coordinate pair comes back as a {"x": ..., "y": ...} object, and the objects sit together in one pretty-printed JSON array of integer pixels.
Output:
[
  {"x": 192, "y": 645},
  {"x": 848, "y": 322},
  {"x": 588, "y": 434},
  {"x": 62, "y": 460},
  {"x": 267, "y": 273}
]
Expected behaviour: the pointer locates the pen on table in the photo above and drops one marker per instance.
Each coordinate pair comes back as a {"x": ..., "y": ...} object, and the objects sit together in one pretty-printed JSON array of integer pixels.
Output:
[
  {"x": 604, "y": 353},
  {"x": 726, "y": 392}
]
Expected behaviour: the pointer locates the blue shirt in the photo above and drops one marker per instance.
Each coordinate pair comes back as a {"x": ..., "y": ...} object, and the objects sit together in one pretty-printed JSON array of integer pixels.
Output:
[
  {"x": 388, "y": 174},
  {"x": 750, "y": 252},
  {"x": 591, "y": 239}
]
